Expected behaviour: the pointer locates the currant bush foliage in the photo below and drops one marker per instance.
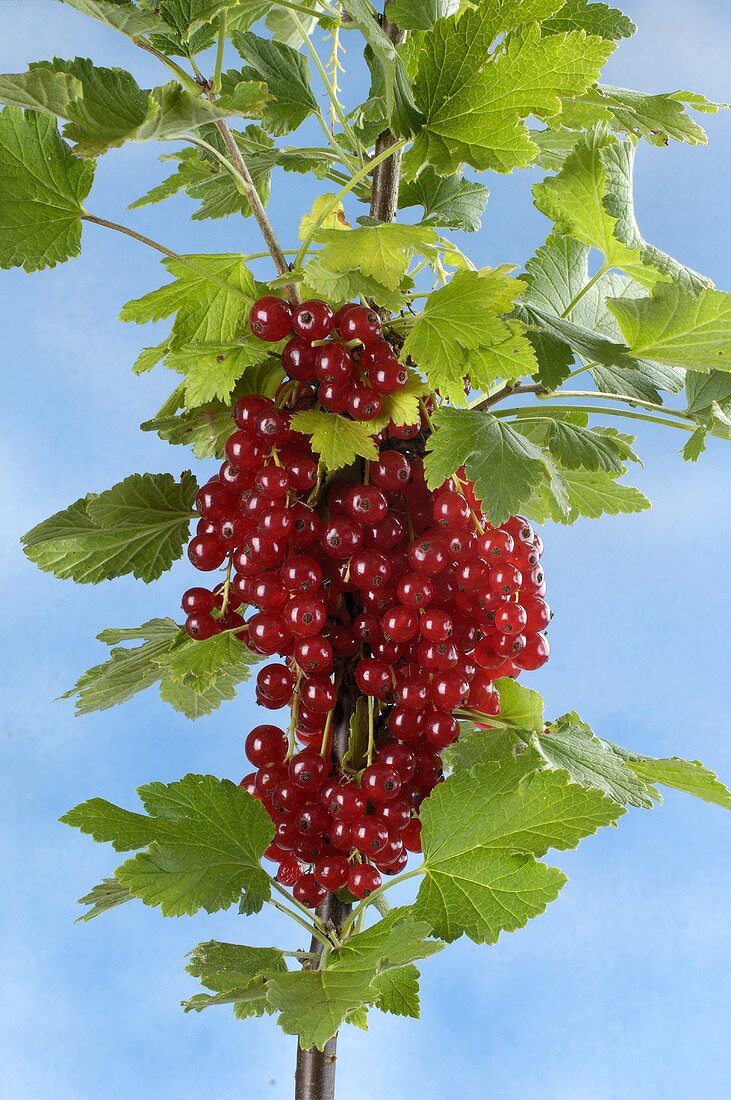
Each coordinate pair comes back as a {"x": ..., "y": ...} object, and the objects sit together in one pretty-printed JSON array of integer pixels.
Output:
[{"x": 462, "y": 89}]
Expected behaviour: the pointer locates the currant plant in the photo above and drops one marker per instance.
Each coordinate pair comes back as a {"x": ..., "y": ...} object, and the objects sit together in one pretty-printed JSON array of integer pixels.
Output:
[{"x": 389, "y": 424}]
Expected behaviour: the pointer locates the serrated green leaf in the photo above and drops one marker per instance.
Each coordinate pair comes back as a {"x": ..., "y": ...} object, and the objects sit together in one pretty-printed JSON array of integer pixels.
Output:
[
  {"x": 338, "y": 441},
  {"x": 678, "y": 327},
  {"x": 520, "y": 707},
  {"x": 575, "y": 200},
  {"x": 461, "y": 333},
  {"x": 44, "y": 186},
  {"x": 593, "y": 18},
  {"x": 504, "y": 465},
  {"x": 127, "y": 671},
  {"x": 210, "y": 296},
  {"x": 236, "y": 974},
  {"x": 586, "y": 493},
  {"x": 314, "y": 1003},
  {"x": 474, "y": 104},
  {"x": 482, "y": 830},
  {"x": 202, "y": 665},
  {"x": 106, "y": 895},
  {"x": 286, "y": 74},
  {"x": 109, "y": 109},
  {"x": 571, "y": 745},
  {"x": 419, "y": 15},
  {"x": 574, "y": 446},
  {"x": 138, "y": 526},
  {"x": 122, "y": 15},
  {"x": 183, "y": 16},
  {"x": 379, "y": 252},
  {"x": 448, "y": 201},
  {"x": 656, "y": 118},
  {"x": 204, "y": 839},
  {"x": 40, "y": 89},
  {"x": 212, "y": 370},
  {"x": 683, "y": 775},
  {"x": 339, "y": 287},
  {"x": 398, "y": 991}
]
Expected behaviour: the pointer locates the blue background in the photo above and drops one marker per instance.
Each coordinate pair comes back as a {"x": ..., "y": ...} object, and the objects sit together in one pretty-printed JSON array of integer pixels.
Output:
[{"x": 621, "y": 989}]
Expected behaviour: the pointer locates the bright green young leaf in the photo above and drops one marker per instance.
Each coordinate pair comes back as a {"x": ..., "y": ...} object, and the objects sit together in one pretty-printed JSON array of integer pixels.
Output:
[
  {"x": 202, "y": 665},
  {"x": 109, "y": 110},
  {"x": 314, "y": 1003},
  {"x": 657, "y": 119},
  {"x": 212, "y": 371},
  {"x": 474, "y": 104},
  {"x": 448, "y": 201},
  {"x": 236, "y": 975},
  {"x": 461, "y": 333},
  {"x": 379, "y": 252},
  {"x": 138, "y": 526},
  {"x": 593, "y": 18},
  {"x": 482, "y": 830},
  {"x": 44, "y": 187},
  {"x": 338, "y": 441},
  {"x": 184, "y": 16},
  {"x": 678, "y": 327},
  {"x": 504, "y": 465},
  {"x": 574, "y": 446},
  {"x": 210, "y": 296},
  {"x": 106, "y": 895},
  {"x": 286, "y": 74},
  {"x": 339, "y": 287},
  {"x": 575, "y": 200},
  {"x": 520, "y": 707},
  {"x": 203, "y": 839},
  {"x": 403, "y": 406}
]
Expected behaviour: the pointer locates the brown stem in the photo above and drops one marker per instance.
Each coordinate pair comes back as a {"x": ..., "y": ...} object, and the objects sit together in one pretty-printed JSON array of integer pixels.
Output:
[
  {"x": 386, "y": 175},
  {"x": 257, "y": 207},
  {"x": 315, "y": 1072}
]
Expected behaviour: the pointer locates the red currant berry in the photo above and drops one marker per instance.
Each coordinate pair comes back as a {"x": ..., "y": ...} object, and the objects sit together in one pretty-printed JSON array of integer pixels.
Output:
[
  {"x": 373, "y": 677},
  {"x": 363, "y": 880},
  {"x": 270, "y": 318},
  {"x": 370, "y": 836},
  {"x": 312, "y": 320},
  {"x": 364, "y": 403},
  {"x": 206, "y": 552},
  {"x": 392, "y": 471},
  {"x": 331, "y": 871},
  {"x": 197, "y": 600},
  {"x": 308, "y": 891},
  {"x": 535, "y": 652},
  {"x": 266, "y": 745},
  {"x": 380, "y": 783},
  {"x": 334, "y": 364},
  {"x": 359, "y": 323}
]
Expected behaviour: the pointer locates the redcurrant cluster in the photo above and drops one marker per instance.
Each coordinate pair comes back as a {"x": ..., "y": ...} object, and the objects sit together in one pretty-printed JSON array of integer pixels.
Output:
[
  {"x": 377, "y": 587},
  {"x": 343, "y": 354}
]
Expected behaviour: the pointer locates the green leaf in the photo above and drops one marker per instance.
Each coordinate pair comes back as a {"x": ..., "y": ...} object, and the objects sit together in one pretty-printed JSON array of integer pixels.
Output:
[
  {"x": 202, "y": 665},
  {"x": 520, "y": 707},
  {"x": 656, "y": 118},
  {"x": 40, "y": 89},
  {"x": 683, "y": 775},
  {"x": 106, "y": 895},
  {"x": 184, "y": 16},
  {"x": 236, "y": 974},
  {"x": 379, "y": 252},
  {"x": 482, "y": 830},
  {"x": 474, "y": 103},
  {"x": 123, "y": 16},
  {"x": 398, "y": 991},
  {"x": 461, "y": 333},
  {"x": 419, "y": 15},
  {"x": 138, "y": 526},
  {"x": 338, "y": 441},
  {"x": 593, "y": 18},
  {"x": 212, "y": 370},
  {"x": 575, "y": 200},
  {"x": 286, "y": 74},
  {"x": 570, "y": 744},
  {"x": 705, "y": 390},
  {"x": 575, "y": 446},
  {"x": 204, "y": 180},
  {"x": 314, "y": 1003},
  {"x": 339, "y": 287},
  {"x": 206, "y": 428},
  {"x": 203, "y": 839},
  {"x": 677, "y": 327},
  {"x": 448, "y": 201},
  {"x": 504, "y": 466},
  {"x": 210, "y": 296},
  {"x": 127, "y": 671},
  {"x": 590, "y": 494},
  {"x": 44, "y": 186},
  {"x": 401, "y": 111}
]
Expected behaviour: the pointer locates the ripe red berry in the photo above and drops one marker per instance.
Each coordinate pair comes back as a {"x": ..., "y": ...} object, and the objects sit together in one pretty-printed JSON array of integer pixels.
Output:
[
  {"x": 266, "y": 745},
  {"x": 270, "y": 318},
  {"x": 298, "y": 359},
  {"x": 364, "y": 403},
  {"x": 363, "y": 880},
  {"x": 308, "y": 890},
  {"x": 359, "y": 323},
  {"x": 312, "y": 320},
  {"x": 331, "y": 871},
  {"x": 206, "y": 552},
  {"x": 380, "y": 783},
  {"x": 333, "y": 363}
]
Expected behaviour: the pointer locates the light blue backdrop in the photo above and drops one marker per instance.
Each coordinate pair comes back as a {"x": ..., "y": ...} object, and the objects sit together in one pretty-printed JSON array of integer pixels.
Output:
[{"x": 621, "y": 989}]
